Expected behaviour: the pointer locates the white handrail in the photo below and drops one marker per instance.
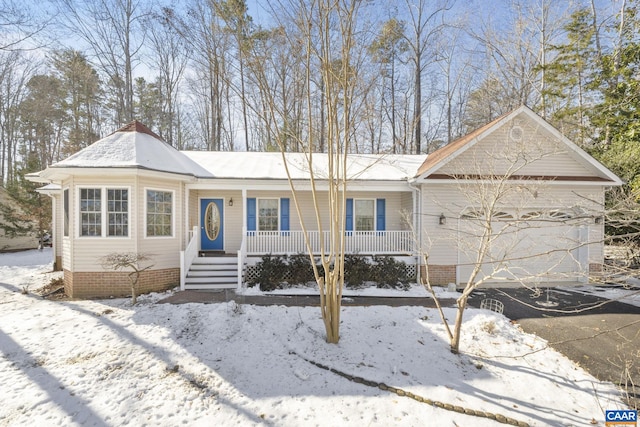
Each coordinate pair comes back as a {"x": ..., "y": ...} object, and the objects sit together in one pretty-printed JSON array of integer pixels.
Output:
[
  {"x": 361, "y": 242},
  {"x": 188, "y": 255},
  {"x": 242, "y": 252}
]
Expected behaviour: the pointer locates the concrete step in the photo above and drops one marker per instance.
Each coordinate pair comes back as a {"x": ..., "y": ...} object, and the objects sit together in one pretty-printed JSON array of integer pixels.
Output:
[
  {"x": 208, "y": 267},
  {"x": 211, "y": 279},
  {"x": 231, "y": 275},
  {"x": 208, "y": 260},
  {"x": 205, "y": 286}
]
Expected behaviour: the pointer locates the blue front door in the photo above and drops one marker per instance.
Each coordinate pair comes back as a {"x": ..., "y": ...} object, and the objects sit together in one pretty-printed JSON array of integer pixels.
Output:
[{"x": 211, "y": 224}]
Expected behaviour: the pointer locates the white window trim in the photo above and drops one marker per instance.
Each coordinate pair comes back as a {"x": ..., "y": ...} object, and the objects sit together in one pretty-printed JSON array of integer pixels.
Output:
[
  {"x": 258, "y": 213},
  {"x": 173, "y": 212},
  {"x": 375, "y": 214},
  {"x": 104, "y": 217}
]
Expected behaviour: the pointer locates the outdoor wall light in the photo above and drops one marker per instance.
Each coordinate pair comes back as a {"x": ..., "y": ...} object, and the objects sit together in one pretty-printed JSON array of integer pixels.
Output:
[
  {"x": 442, "y": 220},
  {"x": 231, "y": 201},
  {"x": 598, "y": 220}
]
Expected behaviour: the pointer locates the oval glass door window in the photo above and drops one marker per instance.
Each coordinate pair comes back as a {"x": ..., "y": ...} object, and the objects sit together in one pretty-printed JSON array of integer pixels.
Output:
[{"x": 212, "y": 221}]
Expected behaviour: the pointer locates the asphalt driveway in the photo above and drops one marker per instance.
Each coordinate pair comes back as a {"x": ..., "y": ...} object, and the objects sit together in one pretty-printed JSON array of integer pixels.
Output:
[{"x": 600, "y": 335}]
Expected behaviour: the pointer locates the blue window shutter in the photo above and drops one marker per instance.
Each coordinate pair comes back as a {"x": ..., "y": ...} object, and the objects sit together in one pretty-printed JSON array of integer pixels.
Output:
[
  {"x": 251, "y": 214},
  {"x": 284, "y": 214},
  {"x": 380, "y": 216},
  {"x": 349, "y": 219}
]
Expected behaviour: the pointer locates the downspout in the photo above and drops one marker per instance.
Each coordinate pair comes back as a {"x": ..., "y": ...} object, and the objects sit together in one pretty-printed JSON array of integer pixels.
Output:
[
  {"x": 417, "y": 225},
  {"x": 135, "y": 206},
  {"x": 242, "y": 253},
  {"x": 54, "y": 231}
]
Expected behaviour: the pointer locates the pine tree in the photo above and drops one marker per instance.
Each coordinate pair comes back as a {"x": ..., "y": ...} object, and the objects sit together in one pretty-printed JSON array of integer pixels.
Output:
[
  {"x": 27, "y": 212},
  {"x": 568, "y": 78}
]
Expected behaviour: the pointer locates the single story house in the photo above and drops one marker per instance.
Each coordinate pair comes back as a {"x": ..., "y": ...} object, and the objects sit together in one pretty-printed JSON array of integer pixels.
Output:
[{"x": 205, "y": 217}]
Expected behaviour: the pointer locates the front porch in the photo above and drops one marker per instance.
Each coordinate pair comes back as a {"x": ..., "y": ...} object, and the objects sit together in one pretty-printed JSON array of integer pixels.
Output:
[
  {"x": 228, "y": 272},
  {"x": 251, "y": 223}
]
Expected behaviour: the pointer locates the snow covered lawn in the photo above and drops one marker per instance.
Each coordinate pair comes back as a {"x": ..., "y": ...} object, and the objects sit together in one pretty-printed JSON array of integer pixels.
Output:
[{"x": 106, "y": 363}]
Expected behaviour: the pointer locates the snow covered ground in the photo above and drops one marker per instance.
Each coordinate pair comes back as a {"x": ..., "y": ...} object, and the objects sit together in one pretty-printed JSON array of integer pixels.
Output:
[
  {"x": 628, "y": 294},
  {"x": 106, "y": 363}
]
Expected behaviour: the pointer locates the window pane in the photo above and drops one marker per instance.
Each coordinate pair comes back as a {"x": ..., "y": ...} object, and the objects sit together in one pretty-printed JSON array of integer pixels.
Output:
[
  {"x": 364, "y": 215},
  {"x": 268, "y": 214},
  {"x": 117, "y": 212},
  {"x": 159, "y": 213},
  {"x": 90, "y": 212},
  {"x": 66, "y": 213}
]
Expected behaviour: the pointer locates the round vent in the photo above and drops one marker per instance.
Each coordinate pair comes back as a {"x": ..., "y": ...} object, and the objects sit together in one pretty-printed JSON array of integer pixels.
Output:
[{"x": 516, "y": 133}]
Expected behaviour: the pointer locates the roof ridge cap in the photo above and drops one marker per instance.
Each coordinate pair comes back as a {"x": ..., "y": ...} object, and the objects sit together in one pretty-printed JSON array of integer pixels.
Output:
[{"x": 137, "y": 126}]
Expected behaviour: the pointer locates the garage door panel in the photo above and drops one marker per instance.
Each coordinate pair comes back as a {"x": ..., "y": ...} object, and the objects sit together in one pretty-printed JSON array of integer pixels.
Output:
[{"x": 538, "y": 250}]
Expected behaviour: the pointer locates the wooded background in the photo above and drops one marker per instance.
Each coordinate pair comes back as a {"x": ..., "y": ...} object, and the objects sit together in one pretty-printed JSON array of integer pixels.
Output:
[{"x": 426, "y": 72}]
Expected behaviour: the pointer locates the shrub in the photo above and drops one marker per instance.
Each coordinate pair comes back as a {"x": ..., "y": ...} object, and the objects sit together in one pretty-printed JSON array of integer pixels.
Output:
[
  {"x": 390, "y": 273},
  {"x": 300, "y": 271},
  {"x": 357, "y": 270},
  {"x": 271, "y": 273}
]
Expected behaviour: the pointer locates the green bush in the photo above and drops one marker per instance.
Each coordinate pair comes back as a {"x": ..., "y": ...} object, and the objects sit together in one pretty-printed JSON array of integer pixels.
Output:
[
  {"x": 271, "y": 273},
  {"x": 357, "y": 270},
  {"x": 300, "y": 271},
  {"x": 390, "y": 273}
]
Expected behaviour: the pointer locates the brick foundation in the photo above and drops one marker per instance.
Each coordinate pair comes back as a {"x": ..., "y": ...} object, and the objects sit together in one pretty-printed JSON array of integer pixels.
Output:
[
  {"x": 596, "y": 271},
  {"x": 440, "y": 275},
  {"x": 103, "y": 284}
]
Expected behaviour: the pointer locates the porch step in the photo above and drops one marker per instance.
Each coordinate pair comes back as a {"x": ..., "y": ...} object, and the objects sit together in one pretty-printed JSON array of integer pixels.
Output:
[{"x": 213, "y": 272}]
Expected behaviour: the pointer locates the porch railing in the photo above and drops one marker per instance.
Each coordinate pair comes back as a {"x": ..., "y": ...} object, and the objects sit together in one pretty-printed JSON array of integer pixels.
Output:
[
  {"x": 361, "y": 242},
  {"x": 189, "y": 254}
]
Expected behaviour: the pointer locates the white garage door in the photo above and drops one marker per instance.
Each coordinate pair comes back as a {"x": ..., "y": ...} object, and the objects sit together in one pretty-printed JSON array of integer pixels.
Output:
[{"x": 532, "y": 247}]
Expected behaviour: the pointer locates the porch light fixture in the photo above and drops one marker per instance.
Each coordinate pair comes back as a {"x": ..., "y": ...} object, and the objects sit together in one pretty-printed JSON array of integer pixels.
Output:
[
  {"x": 442, "y": 220},
  {"x": 231, "y": 201},
  {"x": 598, "y": 220}
]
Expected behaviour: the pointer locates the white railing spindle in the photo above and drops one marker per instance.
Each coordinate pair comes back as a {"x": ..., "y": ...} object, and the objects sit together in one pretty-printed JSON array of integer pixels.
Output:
[{"x": 363, "y": 242}]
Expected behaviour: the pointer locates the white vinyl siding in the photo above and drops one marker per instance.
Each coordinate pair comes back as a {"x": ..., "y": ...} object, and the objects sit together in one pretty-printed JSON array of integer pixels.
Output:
[
  {"x": 443, "y": 242},
  {"x": 393, "y": 207},
  {"x": 166, "y": 253},
  {"x": 497, "y": 154}
]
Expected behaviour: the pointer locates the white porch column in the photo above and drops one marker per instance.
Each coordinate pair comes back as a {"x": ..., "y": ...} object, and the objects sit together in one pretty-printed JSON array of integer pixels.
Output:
[
  {"x": 185, "y": 201},
  {"x": 244, "y": 212}
]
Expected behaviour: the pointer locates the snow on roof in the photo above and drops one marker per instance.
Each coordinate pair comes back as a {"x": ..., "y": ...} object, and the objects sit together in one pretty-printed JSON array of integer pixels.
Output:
[
  {"x": 261, "y": 165},
  {"x": 133, "y": 146},
  {"x": 136, "y": 146}
]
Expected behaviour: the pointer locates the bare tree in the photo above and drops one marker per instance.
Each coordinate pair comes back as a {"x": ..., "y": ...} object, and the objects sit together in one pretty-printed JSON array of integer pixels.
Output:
[
  {"x": 327, "y": 39},
  {"x": 20, "y": 24},
  {"x": 387, "y": 49},
  {"x": 128, "y": 261},
  {"x": 425, "y": 26},
  {"x": 202, "y": 30},
  {"x": 114, "y": 33},
  {"x": 170, "y": 56}
]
